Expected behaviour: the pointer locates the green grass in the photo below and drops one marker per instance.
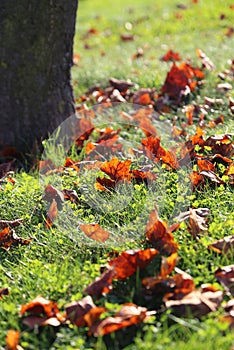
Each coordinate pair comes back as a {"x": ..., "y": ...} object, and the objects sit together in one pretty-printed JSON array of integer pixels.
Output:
[{"x": 59, "y": 263}]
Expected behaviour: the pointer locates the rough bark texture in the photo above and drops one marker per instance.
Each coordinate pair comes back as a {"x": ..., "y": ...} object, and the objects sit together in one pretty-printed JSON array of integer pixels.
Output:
[{"x": 36, "y": 57}]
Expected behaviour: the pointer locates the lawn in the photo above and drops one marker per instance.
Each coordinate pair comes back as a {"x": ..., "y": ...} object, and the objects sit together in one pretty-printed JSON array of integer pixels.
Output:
[{"x": 167, "y": 257}]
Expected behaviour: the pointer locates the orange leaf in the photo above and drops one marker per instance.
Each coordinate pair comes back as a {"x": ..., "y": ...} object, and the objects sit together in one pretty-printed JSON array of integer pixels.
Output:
[
  {"x": 41, "y": 312},
  {"x": 12, "y": 340},
  {"x": 204, "y": 164},
  {"x": 117, "y": 170},
  {"x": 130, "y": 314},
  {"x": 126, "y": 264},
  {"x": 168, "y": 265},
  {"x": 9, "y": 238},
  {"x": 159, "y": 235},
  {"x": 95, "y": 232}
]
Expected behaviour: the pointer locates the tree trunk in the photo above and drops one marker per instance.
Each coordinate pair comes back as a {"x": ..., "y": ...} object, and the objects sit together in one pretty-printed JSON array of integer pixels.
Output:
[{"x": 35, "y": 62}]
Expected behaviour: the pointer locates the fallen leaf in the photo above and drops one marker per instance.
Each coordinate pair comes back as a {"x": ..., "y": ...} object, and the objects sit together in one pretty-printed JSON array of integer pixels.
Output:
[
  {"x": 197, "y": 223},
  {"x": 129, "y": 314},
  {"x": 138, "y": 54},
  {"x": 121, "y": 85},
  {"x": 168, "y": 265},
  {"x": 101, "y": 285},
  {"x": 229, "y": 315},
  {"x": 76, "y": 310},
  {"x": 224, "y": 245},
  {"x": 210, "y": 175},
  {"x": 11, "y": 223},
  {"x": 3, "y": 291},
  {"x": 225, "y": 276},
  {"x": 9, "y": 238},
  {"x": 204, "y": 164},
  {"x": 126, "y": 264},
  {"x": 70, "y": 195},
  {"x": 81, "y": 131},
  {"x": 41, "y": 312},
  {"x": 52, "y": 213},
  {"x": 127, "y": 37},
  {"x": 180, "y": 81},
  {"x": 117, "y": 170},
  {"x": 95, "y": 232},
  {"x": 196, "y": 304},
  {"x": 12, "y": 340},
  {"x": 170, "y": 56},
  {"x": 196, "y": 179},
  {"x": 159, "y": 235},
  {"x": 206, "y": 62},
  {"x": 51, "y": 194}
]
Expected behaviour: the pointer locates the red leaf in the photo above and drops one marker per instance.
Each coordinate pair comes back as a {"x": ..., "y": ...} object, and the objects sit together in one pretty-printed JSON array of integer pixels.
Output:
[
  {"x": 95, "y": 232},
  {"x": 180, "y": 81},
  {"x": 159, "y": 235},
  {"x": 126, "y": 264},
  {"x": 196, "y": 179}
]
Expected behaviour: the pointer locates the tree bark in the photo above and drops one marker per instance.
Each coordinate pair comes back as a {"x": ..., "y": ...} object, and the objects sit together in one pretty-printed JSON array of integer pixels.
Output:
[{"x": 35, "y": 61}]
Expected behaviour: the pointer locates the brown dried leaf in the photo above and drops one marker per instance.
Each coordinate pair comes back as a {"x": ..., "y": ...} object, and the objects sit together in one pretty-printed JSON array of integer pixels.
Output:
[
  {"x": 76, "y": 310},
  {"x": 197, "y": 303},
  {"x": 224, "y": 245},
  {"x": 9, "y": 238},
  {"x": 197, "y": 224},
  {"x": 159, "y": 235},
  {"x": 225, "y": 276},
  {"x": 101, "y": 285},
  {"x": 3, "y": 291}
]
